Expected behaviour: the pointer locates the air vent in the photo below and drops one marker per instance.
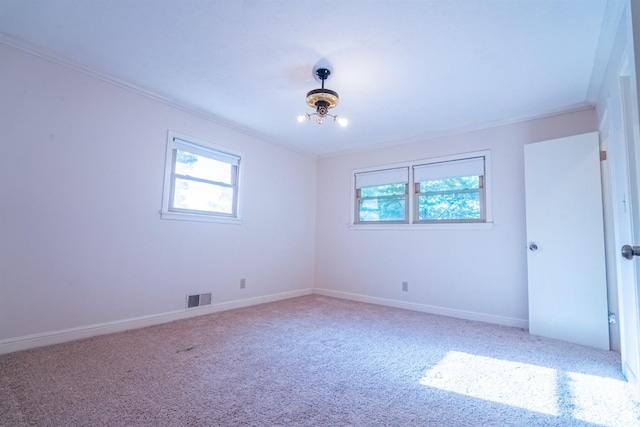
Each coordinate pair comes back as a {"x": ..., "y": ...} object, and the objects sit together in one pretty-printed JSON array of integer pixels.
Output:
[
  {"x": 193, "y": 301},
  {"x": 198, "y": 300},
  {"x": 205, "y": 299}
]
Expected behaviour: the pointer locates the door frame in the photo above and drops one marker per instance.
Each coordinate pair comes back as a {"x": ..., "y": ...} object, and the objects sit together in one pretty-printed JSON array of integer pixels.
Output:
[
  {"x": 622, "y": 122},
  {"x": 611, "y": 249}
]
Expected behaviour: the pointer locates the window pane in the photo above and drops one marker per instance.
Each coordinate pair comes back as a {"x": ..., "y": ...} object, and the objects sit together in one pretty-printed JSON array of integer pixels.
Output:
[
  {"x": 203, "y": 167},
  {"x": 449, "y": 206},
  {"x": 385, "y": 202},
  {"x": 460, "y": 183},
  {"x": 383, "y": 209},
  {"x": 200, "y": 196}
]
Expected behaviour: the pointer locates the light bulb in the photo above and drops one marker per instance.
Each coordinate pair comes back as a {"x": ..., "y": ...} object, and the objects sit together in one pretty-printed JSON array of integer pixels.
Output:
[
  {"x": 301, "y": 118},
  {"x": 342, "y": 121}
]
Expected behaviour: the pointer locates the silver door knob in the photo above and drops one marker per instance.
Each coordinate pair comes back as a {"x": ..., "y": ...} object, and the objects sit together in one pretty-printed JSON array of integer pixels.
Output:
[
  {"x": 628, "y": 251},
  {"x": 533, "y": 247}
]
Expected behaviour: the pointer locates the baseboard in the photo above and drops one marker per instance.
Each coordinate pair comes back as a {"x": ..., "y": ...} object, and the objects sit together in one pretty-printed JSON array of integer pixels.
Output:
[
  {"x": 460, "y": 314},
  {"x": 56, "y": 337}
]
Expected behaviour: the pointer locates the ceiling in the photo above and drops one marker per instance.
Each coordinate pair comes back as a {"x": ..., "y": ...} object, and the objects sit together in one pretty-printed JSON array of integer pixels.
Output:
[{"x": 405, "y": 70}]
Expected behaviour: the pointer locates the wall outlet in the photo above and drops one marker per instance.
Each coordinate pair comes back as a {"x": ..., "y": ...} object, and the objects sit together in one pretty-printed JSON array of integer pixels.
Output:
[
  {"x": 405, "y": 286},
  {"x": 243, "y": 283}
]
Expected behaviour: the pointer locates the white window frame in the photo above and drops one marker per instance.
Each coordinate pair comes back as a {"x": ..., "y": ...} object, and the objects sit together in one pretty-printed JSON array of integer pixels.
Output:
[
  {"x": 413, "y": 222},
  {"x": 471, "y": 166},
  {"x": 176, "y": 140},
  {"x": 383, "y": 177}
]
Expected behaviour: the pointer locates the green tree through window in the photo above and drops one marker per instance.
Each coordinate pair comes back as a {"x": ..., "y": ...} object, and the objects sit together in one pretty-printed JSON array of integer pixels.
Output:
[
  {"x": 451, "y": 189},
  {"x": 450, "y": 199},
  {"x": 383, "y": 203}
]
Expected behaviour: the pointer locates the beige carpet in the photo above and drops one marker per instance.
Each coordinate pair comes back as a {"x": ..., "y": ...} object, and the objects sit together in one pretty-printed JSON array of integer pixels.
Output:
[{"x": 316, "y": 361}]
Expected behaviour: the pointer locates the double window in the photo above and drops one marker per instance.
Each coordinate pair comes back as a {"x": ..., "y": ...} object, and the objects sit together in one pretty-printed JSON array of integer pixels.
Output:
[
  {"x": 201, "y": 182},
  {"x": 445, "y": 190}
]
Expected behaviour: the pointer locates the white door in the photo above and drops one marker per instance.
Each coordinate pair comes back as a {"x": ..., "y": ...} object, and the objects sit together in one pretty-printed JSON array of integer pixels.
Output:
[
  {"x": 565, "y": 234},
  {"x": 627, "y": 213}
]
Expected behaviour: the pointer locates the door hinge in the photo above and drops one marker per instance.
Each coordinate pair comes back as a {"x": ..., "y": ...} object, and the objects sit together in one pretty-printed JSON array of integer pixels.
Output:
[{"x": 603, "y": 155}]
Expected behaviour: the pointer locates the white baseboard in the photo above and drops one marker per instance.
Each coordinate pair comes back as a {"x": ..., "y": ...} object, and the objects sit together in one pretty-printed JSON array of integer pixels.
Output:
[
  {"x": 56, "y": 337},
  {"x": 460, "y": 314}
]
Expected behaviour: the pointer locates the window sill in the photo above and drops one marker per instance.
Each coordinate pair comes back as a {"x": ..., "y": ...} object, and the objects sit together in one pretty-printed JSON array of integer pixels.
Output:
[
  {"x": 180, "y": 216},
  {"x": 417, "y": 227}
]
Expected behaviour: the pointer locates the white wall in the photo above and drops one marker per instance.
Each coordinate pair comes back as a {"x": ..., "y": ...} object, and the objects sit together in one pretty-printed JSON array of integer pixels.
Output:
[
  {"x": 81, "y": 178},
  {"x": 82, "y": 242},
  {"x": 475, "y": 274}
]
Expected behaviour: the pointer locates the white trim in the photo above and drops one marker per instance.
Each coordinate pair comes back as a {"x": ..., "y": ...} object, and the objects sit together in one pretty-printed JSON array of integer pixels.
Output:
[
  {"x": 184, "y": 216},
  {"x": 416, "y": 227},
  {"x": 11, "y": 345},
  {"x": 441, "y": 311},
  {"x": 614, "y": 11}
]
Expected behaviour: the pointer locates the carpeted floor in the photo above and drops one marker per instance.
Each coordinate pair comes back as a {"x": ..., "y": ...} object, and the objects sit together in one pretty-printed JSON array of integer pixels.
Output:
[{"x": 316, "y": 361}]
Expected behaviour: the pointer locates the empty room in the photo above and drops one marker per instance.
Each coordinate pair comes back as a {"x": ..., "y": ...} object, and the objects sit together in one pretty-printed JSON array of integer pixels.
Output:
[{"x": 339, "y": 213}]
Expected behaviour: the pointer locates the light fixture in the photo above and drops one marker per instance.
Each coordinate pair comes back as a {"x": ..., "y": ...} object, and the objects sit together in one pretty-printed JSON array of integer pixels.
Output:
[{"x": 322, "y": 100}]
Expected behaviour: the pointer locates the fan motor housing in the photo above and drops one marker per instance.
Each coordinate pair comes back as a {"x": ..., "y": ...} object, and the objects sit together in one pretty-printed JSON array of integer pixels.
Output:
[{"x": 324, "y": 96}]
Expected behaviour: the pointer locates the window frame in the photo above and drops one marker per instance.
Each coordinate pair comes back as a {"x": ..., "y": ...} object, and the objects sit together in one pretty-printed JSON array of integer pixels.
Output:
[
  {"x": 177, "y": 141},
  {"x": 481, "y": 193},
  {"x": 412, "y": 204},
  {"x": 406, "y": 195}
]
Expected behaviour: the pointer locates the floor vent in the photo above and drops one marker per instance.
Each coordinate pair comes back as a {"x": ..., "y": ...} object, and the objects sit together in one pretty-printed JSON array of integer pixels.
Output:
[
  {"x": 205, "y": 299},
  {"x": 198, "y": 299}
]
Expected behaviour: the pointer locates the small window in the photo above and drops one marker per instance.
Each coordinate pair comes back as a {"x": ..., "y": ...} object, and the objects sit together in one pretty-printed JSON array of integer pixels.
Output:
[
  {"x": 201, "y": 182},
  {"x": 451, "y": 191},
  {"x": 381, "y": 196}
]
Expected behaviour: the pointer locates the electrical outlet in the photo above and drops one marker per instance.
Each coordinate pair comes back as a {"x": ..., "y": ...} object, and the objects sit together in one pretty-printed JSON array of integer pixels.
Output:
[
  {"x": 405, "y": 286},
  {"x": 243, "y": 283}
]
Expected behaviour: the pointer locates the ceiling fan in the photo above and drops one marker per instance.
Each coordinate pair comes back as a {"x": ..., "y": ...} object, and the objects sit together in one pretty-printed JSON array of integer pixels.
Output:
[{"x": 322, "y": 100}]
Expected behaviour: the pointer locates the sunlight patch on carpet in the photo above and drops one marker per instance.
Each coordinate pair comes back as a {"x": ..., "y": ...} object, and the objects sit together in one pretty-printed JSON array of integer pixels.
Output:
[
  {"x": 594, "y": 396},
  {"x": 510, "y": 383},
  {"x": 589, "y": 398}
]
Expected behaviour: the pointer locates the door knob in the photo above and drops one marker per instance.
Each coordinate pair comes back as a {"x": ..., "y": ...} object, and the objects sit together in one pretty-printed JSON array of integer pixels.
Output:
[
  {"x": 533, "y": 247},
  {"x": 628, "y": 251}
]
